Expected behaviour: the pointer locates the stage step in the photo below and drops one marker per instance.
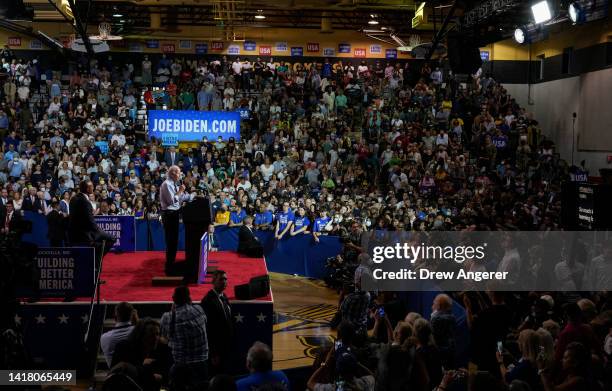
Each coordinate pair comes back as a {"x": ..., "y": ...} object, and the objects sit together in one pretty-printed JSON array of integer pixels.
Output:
[{"x": 166, "y": 281}]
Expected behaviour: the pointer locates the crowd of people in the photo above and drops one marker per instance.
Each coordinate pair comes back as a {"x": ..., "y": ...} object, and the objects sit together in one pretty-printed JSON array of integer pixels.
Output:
[
  {"x": 390, "y": 146},
  {"x": 335, "y": 147},
  {"x": 532, "y": 343}
]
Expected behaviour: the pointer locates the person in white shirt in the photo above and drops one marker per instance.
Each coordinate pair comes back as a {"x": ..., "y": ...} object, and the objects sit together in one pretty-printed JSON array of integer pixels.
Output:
[
  {"x": 119, "y": 138},
  {"x": 237, "y": 66},
  {"x": 244, "y": 184},
  {"x": 125, "y": 318}
]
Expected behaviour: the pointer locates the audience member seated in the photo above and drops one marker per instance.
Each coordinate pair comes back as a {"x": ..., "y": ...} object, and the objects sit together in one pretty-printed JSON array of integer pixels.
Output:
[
  {"x": 143, "y": 357},
  {"x": 125, "y": 319},
  {"x": 259, "y": 365}
]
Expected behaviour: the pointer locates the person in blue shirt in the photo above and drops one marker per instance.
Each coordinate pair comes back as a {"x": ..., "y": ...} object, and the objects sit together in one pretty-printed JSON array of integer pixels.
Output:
[
  {"x": 259, "y": 364},
  {"x": 264, "y": 218},
  {"x": 300, "y": 223},
  {"x": 284, "y": 221},
  {"x": 320, "y": 224},
  {"x": 236, "y": 216}
]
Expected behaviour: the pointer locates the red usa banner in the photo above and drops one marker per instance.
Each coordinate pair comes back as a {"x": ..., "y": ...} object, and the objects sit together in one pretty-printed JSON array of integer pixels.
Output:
[
  {"x": 265, "y": 50},
  {"x": 359, "y": 52},
  {"x": 312, "y": 47}
]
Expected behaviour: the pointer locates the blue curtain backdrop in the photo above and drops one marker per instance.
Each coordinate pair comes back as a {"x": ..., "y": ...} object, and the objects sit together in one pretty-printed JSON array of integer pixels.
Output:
[{"x": 293, "y": 255}]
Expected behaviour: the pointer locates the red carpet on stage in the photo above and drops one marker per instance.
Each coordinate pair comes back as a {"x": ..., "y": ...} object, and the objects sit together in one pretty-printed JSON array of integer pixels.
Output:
[{"x": 128, "y": 276}]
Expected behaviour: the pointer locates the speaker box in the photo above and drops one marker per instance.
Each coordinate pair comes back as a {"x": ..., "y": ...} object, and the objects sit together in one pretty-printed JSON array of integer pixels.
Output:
[
  {"x": 242, "y": 292},
  {"x": 257, "y": 287}
]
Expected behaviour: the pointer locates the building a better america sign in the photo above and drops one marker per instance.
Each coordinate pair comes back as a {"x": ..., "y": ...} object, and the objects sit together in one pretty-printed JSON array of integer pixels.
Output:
[{"x": 172, "y": 126}]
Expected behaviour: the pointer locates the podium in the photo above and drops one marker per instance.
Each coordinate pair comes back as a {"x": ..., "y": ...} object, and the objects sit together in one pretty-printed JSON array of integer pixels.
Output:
[{"x": 196, "y": 218}]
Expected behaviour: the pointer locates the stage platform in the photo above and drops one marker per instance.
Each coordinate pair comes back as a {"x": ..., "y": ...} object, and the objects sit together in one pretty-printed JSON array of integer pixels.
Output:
[
  {"x": 54, "y": 330},
  {"x": 128, "y": 276}
]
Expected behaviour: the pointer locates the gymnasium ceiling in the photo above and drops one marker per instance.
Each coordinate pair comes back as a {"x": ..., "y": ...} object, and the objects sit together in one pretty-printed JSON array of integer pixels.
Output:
[{"x": 142, "y": 16}]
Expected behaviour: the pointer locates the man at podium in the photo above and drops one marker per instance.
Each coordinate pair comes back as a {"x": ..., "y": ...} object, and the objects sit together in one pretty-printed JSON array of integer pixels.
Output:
[{"x": 171, "y": 196}]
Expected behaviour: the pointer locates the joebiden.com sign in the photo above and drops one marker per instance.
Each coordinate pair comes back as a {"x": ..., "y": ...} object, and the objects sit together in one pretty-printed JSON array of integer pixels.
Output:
[{"x": 173, "y": 126}]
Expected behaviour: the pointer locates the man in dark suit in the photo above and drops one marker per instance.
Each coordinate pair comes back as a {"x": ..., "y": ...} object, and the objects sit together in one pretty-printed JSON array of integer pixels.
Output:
[
  {"x": 172, "y": 157},
  {"x": 31, "y": 202},
  {"x": 219, "y": 325},
  {"x": 56, "y": 223},
  {"x": 248, "y": 243},
  {"x": 10, "y": 219},
  {"x": 83, "y": 229}
]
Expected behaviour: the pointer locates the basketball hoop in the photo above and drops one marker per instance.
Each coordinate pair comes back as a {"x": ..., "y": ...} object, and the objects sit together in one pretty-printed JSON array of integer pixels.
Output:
[
  {"x": 415, "y": 40},
  {"x": 104, "y": 30}
]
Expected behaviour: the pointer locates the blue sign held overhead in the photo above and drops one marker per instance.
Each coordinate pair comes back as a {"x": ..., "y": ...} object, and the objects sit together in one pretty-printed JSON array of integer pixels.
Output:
[
  {"x": 249, "y": 46},
  {"x": 344, "y": 48},
  {"x": 187, "y": 125},
  {"x": 484, "y": 55},
  {"x": 297, "y": 51},
  {"x": 201, "y": 48}
]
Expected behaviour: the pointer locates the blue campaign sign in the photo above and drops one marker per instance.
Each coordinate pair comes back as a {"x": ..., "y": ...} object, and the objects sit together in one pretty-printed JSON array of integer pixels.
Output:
[
  {"x": 121, "y": 228},
  {"x": 484, "y": 55},
  {"x": 62, "y": 271},
  {"x": 152, "y": 44},
  {"x": 233, "y": 49},
  {"x": 201, "y": 48},
  {"x": 249, "y": 46},
  {"x": 344, "y": 48},
  {"x": 391, "y": 53},
  {"x": 297, "y": 51},
  {"x": 190, "y": 125}
]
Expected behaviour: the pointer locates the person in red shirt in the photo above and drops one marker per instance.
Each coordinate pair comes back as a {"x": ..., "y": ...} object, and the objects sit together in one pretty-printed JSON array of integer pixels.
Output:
[
  {"x": 149, "y": 100},
  {"x": 171, "y": 88},
  {"x": 575, "y": 331}
]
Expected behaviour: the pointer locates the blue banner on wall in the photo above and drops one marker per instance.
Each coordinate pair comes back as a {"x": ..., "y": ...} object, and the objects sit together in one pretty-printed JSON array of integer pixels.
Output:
[
  {"x": 152, "y": 44},
  {"x": 173, "y": 125},
  {"x": 121, "y": 228},
  {"x": 344, "y": 48},
  {"x": 297, "y": 51},
  {"x": 391, "y": 53},
  {"x": 249, "y": 46},
  {"x": 61, "y": 272},
  {"x": 201, "y": 48}
]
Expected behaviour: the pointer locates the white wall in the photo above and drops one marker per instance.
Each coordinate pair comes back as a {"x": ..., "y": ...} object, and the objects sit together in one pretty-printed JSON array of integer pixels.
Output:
[{"x": 552, "y": 104}]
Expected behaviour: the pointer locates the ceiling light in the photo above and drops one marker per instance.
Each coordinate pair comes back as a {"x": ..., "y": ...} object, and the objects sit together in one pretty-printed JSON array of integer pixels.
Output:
[
  {"x": 576, "y": 13},
  {"x": 383, "y": 28},
  {"x": 117, "y": 15},
  {"x": 519, "y": 35},
  {"x": 260, "y": 15},
  {"x": 373, "y": 21},
  {"x": 541, "y": 12}
]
